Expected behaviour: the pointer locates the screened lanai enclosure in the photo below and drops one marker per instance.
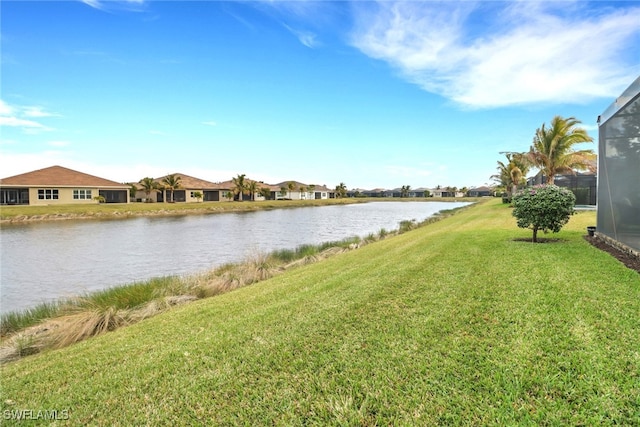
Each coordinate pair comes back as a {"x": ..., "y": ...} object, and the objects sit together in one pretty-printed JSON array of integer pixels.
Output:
[{"x": 619, "y": 169}]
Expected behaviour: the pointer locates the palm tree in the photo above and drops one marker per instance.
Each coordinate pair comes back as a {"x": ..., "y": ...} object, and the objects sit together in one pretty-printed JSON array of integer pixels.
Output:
[
  {"x": 404, "y": 191},
  {"x": 172, "y": 182},
  {"x": 513, "y": 173},
  {"x": 266, "y": 192},
  {"x": 552, "y": 151},
  {"x": 310, "y": 189},
  {"x": 341, "y": 190},
  {"x": 148, "y": 185},
  {"x": 133, "y": 189},
  {"x": 290, "y": 186},
  {"x": 252, "y": 188},
  {"x": 240, "y": 185}
]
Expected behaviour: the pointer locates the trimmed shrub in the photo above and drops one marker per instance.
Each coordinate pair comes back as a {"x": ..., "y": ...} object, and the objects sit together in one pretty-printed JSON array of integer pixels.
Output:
[{"x": 545, "y": 207}]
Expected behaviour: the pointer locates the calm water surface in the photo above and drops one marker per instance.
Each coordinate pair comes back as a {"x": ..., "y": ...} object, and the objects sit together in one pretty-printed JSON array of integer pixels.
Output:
[{"x": 45, "y": 261}]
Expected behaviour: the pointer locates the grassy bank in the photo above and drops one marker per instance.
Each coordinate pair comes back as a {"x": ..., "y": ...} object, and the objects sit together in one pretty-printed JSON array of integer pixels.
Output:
[
  {"x": 136, "y": 295},
  {"x": 10, "y": 214},
  {"x": 453, "y": 323},
  {"x": 67, "y": 321}
]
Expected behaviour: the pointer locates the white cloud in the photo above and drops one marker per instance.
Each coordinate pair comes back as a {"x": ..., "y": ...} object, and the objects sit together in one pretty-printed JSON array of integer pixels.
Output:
[
  {"x": 17, "y": 163},
  {"x": 528, "y": 53},
  {"x": 210, "y": 123},
  {"x": 115, "y": 4},
  {"x": 36, "y": 111},
  {"x": 93, "y": 3},
  {"x": 5, "y": 109},
  {"x": 23, "y": 123},
  {"x": 20, "y": 117},
  {"x": 307, "y": 38}
]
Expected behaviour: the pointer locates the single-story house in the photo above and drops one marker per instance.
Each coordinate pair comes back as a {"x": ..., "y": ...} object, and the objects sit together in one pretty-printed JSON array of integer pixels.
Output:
[
  {"x": 377, "y": 192},
  {"x": 444, "y": 192},
  {"x": 480, "y": 192},
  {"x": 323, "y": 192},
  {"x": 189, "y": 188},
  {"x": 230, "y": 186},
  {"x": 300, "y": 191},
  {"x": 357, "y": 192},
  {"x": 59, "y": 185},
  {"x": 397, "y": 192},
  {"x": 421, "y": 192}
]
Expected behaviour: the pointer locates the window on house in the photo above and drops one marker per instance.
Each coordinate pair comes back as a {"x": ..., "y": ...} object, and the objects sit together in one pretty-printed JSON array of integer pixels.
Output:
[
  {"x": 48, "y": 194},
  {"x": 82, "y": 194}
]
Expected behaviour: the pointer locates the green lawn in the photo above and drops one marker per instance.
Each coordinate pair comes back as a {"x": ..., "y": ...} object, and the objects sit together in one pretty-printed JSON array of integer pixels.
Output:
[{"x": 453, "y": 323}]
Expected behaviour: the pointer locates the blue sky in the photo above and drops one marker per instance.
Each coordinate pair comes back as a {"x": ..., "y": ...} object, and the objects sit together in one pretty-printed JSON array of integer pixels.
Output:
[{"x": 372, "y": 94}]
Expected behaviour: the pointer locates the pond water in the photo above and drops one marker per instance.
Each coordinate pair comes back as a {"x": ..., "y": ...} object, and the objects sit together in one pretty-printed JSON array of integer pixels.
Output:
[{"x": 49, "y": 260}]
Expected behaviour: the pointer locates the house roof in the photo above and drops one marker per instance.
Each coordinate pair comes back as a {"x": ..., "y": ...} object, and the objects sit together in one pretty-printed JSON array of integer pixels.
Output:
[
  {"x": 59, "y": 176},
  {"x": 285, "y": 184},
  {"x": 299, "y": 184},
  {"x": 228, "y": 185},
  {"x": 323, "y": 188},
  {"x": 269, "y": 186},
  {"x": 189, "y": 182}
]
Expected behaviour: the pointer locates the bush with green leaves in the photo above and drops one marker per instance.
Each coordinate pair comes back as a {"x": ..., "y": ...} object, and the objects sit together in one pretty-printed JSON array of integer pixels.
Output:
[{"x": 544, "y": 207}]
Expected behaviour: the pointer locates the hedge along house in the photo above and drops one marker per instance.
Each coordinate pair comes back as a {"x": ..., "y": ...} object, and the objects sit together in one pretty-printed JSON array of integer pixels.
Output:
[
  {"x": 59, "y": 185},
  {"x": 619, "y": 170}
]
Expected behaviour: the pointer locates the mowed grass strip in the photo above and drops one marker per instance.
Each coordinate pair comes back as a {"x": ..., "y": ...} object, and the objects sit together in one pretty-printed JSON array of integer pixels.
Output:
[
  {"x": 118, "y": 210},
  {"x": 452, "y": 323}
]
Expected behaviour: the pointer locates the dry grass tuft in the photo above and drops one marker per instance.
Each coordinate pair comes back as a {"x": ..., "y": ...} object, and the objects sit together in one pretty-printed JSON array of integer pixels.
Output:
[
  {"x": 261, "y": 267},
  {"x": 86, "y": 324}
]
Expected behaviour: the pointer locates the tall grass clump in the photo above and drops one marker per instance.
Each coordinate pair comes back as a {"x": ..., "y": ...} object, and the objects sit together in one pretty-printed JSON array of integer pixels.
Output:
[
  {"x": 261, "y": 266},
  {"x": 132, "y": 295},
  {"x": 119, "y": 297},
  {"x": 407, "y": 225},
  {"x": 14, "y": 321}
]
